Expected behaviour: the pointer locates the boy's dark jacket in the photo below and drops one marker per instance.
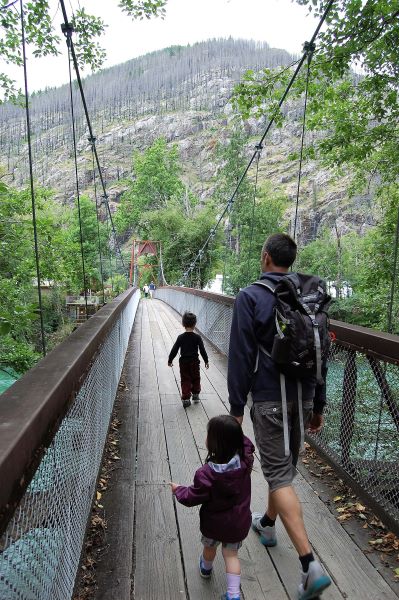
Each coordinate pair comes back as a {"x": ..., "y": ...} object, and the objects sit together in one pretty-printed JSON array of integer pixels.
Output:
[
  {"x": 253, "y": 324},
  {"x": 225, "y": 514}
]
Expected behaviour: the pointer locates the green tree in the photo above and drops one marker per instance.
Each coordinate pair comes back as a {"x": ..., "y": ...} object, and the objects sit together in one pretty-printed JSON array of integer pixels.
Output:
[
  {"x": 256, "y": 223},
  {"x": 72, "y": 254},
  {"x": 182, "y": 236},
  {"x": 358, "y": 114},
  {"x": 156, "y": 182}
]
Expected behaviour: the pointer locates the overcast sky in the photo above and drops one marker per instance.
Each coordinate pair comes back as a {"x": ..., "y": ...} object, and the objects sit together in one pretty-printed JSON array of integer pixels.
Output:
[{"x": 280, "y": 23}]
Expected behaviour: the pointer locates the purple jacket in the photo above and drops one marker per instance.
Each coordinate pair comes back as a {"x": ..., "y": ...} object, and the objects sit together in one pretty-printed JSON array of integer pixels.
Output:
[{"x": 225, "y": 513}]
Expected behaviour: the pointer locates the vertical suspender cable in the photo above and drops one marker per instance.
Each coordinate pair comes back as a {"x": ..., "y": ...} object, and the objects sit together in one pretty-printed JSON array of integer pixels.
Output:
[
  {"x": 110, "y": 255},
  {"x": 271, "y": 121},
  {"x": 98, "y": 220},
  {"x": 394, "y": 275},
  {"x": 259, "y": 149},
  {"x": 67, "y": 30},
  {"x": 227, "y": 248},
  {"x": 32, "y": 189},
  {"x": 77, "y": 178},
  {"x": 309, "y": 49}
]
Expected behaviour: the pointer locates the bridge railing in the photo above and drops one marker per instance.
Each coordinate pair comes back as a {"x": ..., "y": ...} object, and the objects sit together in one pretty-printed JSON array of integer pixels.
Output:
[
  {"x": 53, "y": 427},
  {"x": 360, "y": 438}
]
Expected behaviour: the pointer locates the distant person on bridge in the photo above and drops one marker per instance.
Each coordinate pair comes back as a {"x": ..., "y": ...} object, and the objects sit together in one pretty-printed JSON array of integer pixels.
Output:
[
  {"x": 152, "y": 289},
  {"x": 222, "y": 486},
  {"x": 189, "y": 343},
  {"x": 146, "y": 290},
  {"x": 282, "y": 405}
]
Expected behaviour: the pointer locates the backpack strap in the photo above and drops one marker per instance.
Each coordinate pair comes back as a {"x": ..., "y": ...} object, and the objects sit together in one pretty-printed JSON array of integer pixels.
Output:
[
  {"x": 271, "y": 286},
  {"x": 285, "y": 415},
  {"x": 300, "y": 414}
]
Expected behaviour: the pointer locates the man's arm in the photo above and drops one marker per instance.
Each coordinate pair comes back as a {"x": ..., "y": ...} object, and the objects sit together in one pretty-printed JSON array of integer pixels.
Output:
[{"x": 243, "y": 350}]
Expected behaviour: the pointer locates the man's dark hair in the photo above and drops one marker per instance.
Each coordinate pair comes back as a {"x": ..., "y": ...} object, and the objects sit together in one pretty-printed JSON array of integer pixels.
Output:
[
  {"x": 225, "y": 439},
  {"x": 189, "y": 319},
  {"x": 281, "y": 249}
]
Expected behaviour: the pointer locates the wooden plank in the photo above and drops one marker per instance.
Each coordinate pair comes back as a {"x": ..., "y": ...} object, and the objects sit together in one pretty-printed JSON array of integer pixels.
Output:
[
  {"x": 113, "y": 571},
  {"x": 158, "y": 569},
  {"x": 157, "y": 561}
]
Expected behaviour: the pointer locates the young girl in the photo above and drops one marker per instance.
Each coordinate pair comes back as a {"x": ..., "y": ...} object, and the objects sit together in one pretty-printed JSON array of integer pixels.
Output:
[{"x": 223, "y": 487}]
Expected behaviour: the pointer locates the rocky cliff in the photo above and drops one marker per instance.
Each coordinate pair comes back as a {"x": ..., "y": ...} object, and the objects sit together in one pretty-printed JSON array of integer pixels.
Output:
[{"x": 183, "y": 95}]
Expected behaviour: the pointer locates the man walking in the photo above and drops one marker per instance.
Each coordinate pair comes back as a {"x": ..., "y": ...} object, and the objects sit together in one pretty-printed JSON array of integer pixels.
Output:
[
  {"x": 151, "y": 288},
  {"x": 277, "y": 425}
]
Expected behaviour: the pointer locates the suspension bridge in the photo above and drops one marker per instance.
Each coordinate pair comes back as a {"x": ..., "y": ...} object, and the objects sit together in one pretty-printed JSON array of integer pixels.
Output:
[{"x": 55, "y": 420}]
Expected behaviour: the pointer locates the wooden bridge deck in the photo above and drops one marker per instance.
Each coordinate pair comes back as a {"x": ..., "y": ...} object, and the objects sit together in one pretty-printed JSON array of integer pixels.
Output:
[{"x": 157, "y": 541}]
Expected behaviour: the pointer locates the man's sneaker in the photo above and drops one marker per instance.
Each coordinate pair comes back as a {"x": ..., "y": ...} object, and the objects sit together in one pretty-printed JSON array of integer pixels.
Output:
[
  {"x": 186, "y": 403},
  {"x": 196, "y": 398},
  {"x": 267, "y": 534},
  {"x": 227, "y": 597},
  {"x": 314, "y": 582},
  {"x": 205, "y": 573}
]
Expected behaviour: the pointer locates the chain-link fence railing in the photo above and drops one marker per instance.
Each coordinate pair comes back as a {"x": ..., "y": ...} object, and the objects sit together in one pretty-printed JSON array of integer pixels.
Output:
[
  {"x": 361, "y": 433},
  {"x": 41, "y": 545}
]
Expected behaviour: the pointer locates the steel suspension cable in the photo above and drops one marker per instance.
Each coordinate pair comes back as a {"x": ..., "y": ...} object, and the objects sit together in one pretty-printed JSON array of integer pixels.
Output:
[
  {"x": 251, "y": 239},
  {"x": 98, "y": 220},
  {"x": 394, "y": 276},
  {"x": 271, "y": 121},
  {"x": 67, "y": 29},
  {"x": 110, "y": 255},
  {"x": 32, "y": 188},
  {"x": 309, "y": 49},
  {"x": 82, "y": 254}
]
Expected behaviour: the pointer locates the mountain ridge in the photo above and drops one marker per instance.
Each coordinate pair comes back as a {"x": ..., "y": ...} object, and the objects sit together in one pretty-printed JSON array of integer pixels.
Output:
[{"x": 181, "y": 93}]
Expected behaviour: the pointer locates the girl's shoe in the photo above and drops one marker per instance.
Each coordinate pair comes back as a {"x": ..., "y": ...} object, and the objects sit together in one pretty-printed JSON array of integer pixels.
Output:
[
  {"x": 205, "y": 573},
  {"x": 227, "y": 597},
  {"x": 196, "y": 398},
  {"x": 186, "y": 403}
]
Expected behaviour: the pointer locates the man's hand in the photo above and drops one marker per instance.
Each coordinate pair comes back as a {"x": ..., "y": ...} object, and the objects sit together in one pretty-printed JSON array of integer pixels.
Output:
[
  {"x": 174, "y": 486},
  {"x": 316, "y": 423},
  {"x": 170, "y": 364},
  {"x": 206, "y": 365},
  {"x": 239, "y": 419}
]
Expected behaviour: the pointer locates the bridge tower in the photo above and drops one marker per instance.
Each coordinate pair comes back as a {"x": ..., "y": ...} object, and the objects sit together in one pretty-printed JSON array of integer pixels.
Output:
[{"x": 147, "y": 249}]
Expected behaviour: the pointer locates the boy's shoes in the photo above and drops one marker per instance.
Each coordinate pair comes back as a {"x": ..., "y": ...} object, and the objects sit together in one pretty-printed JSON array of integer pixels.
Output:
[
  {"x": 227, "y": 597},
  {"x": 186, "y": 403},
  {"x": 196, "y": 398},
  {"x": 267, "y": 534},
  {"x": 205, "y": 573},
  {"x": 314, "y": 582}
]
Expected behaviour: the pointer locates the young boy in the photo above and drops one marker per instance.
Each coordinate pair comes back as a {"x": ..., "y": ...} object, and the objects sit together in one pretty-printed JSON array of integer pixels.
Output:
[{"x": 189, "y": 344}]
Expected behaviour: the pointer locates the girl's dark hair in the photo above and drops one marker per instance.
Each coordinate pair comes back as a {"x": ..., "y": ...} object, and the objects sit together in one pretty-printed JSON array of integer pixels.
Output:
[
  {"x": 189, "y": 319},
  {"x": 225, "y": 439}
]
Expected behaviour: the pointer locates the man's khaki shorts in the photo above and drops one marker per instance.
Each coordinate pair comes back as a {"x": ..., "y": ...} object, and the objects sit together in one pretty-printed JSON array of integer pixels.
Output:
[{"x": 267, "y": 417}]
